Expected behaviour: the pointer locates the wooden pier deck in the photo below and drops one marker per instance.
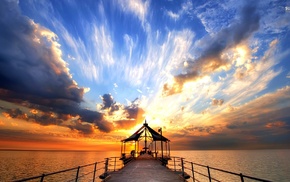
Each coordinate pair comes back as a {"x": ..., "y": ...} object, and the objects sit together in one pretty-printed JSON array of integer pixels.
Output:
[{"x": 144, "y": 169}]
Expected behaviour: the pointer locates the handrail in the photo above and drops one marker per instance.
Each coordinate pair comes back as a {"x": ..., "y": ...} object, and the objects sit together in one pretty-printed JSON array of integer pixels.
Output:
[
  {"x": 181, "y": 163},
  {"x": 112, "y": 164},
  {"x": 104, "y": 165}
]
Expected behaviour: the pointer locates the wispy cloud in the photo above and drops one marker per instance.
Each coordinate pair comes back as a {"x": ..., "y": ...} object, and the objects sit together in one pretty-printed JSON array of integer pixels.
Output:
[
  {"x": 275, "y": 20},
  {"x": 138, "y": 8},
  {"x": 213, "y": 17},
  {"x": 103, "y": 45},
  {"x": 185, "y": 8},
  {"x": 172, "y": 15}
]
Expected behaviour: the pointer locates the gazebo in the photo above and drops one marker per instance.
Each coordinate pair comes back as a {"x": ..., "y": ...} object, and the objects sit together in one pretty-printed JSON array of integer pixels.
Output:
[{"x": 150, "y": 136}]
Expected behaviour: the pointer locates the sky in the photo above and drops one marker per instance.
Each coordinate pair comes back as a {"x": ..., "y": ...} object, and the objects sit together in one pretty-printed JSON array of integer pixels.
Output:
[{"x": 82, "y": 75}]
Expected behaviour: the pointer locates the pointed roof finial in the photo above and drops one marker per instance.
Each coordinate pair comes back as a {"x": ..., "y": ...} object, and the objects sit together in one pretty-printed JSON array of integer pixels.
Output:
[{"x": 145, "y": 124}]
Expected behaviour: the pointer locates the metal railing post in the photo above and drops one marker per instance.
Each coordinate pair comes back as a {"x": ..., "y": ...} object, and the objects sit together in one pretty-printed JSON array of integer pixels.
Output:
[
  {"x": 106, "y": 167},
  {"x": 208, "y": 173},
  {"x": 242, "y": 177},
  {"x": 115, "y": 164},
  {"x": 182, "y": 167},
  {"x": 95, "y": 169},
  {"x": 42, "y": 177},
  {"x": 192, "y": 170},
  {"x": 174, "y": 164},
  {"x": 77, "y": 175}
]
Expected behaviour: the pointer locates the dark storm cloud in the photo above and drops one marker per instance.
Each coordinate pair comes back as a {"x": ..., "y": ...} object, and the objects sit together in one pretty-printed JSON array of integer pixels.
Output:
[
  {"x": 83, "y": 128},
  {"x": 32, "y": 72},
  {"x": 108, "y": 101},
  {"x": 46, "y": 118},
  {"x": 15, "y": 113},
  {"x": 133, "y": 110},
  {"x": 211, "y": 57},
  {"x": 64, "y": 111},
  {"x": 134, "y": 116},
  {"x": 132, "y": 113},
  {"x": 29, "y": 62},
  {"x": 97, "y": 119}
]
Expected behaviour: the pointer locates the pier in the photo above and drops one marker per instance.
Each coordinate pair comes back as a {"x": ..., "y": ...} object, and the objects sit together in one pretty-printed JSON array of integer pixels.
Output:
[{"x": 144, "y": 169}]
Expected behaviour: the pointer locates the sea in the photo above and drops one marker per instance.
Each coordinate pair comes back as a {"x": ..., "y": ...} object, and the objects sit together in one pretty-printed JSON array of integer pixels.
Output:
[{"x": 273, "y": 165}]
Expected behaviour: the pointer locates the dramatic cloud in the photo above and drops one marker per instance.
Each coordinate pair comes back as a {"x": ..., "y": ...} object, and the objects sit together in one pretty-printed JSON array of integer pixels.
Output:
[
  {"x": 124, "y": 117},
  {"x": 15, "y": 113},
  {"x": 211, "y": 58},
  {"x": 108, "y": 102},
  {"x": 33, "y": 73},
  {"x": 31, "y": 60},
  {"x": 84, "y": 128}
]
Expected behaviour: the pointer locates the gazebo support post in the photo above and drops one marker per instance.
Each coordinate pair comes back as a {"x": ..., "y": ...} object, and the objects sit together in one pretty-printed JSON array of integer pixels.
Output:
[
  {"x": 161, "y": 144},
  {"x": 169, "y": 148},
  {"x": 166, "y": 148},
  {"x": 155, "y": 149},
  {"x": 121, "y": 148},
  {"x": 145, "y": 139},
  {"x": 125, "y": 149},
  {"x": 138, "y": 147},
  {"x": 135, "y": 149}
]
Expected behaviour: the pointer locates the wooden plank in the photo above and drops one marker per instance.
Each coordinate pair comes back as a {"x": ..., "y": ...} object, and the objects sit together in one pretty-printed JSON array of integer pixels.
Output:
[{"x": 144, "y": 169}]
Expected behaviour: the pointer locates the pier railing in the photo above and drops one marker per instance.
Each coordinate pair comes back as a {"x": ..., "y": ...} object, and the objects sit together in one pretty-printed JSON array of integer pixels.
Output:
[
  {"x": 198, "y": 172},
  {"x": 88, "y": 172}
]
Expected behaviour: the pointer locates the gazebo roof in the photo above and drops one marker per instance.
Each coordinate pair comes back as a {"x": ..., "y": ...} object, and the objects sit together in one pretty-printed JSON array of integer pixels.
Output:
[{"x": 155, "y": 135}]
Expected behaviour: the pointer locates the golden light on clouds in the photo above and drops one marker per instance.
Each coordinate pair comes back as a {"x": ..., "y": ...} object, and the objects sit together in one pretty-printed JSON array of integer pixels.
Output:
[
  {"x": 30, "y": 135},
  {"x": 275, "y": 124},
  {"x": 242, "y": 55},
  {"x": 33, "y": 111},
  {"x": 6, "y": 115},
  {"x": 2, "y": 123}
]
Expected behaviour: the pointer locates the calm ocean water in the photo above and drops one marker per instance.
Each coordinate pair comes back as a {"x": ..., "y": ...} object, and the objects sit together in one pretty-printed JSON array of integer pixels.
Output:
[{"x": 268, "y": 164}]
